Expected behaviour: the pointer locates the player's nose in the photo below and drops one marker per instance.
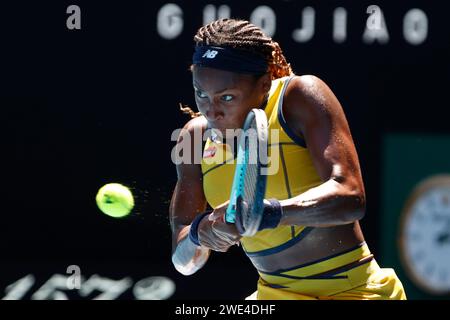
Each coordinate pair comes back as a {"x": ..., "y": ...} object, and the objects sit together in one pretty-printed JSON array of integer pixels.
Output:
[{"x": 214, "y": 113}]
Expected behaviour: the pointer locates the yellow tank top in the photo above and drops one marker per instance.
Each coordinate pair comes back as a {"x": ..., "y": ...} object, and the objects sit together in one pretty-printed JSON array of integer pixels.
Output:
[
  {"x": 292, "y": 169},
  {"x": 293, "y": 173}
]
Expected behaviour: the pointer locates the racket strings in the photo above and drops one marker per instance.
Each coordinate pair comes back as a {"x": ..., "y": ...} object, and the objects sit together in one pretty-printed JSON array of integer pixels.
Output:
[
  {"x": 251, "y": 175},
  {"x": 249, "y": 193},
  {"x": 250, "y": 185}
]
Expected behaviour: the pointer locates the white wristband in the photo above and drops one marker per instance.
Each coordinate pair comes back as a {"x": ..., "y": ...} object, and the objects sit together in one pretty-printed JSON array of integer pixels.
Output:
[{"x": 183, "y": 257}]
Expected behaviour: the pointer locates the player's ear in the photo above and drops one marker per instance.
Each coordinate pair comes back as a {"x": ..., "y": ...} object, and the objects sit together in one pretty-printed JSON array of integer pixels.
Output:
[{"x": 265, "y": 82}]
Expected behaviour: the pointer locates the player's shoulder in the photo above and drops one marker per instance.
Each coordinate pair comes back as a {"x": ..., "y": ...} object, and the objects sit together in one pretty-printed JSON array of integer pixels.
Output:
[
  {"x": 306, "y": 86},
  {"x": 194, "y": 130},
  {"x": 197, "y": 123},
  {"x": 308, "y": 91},
  {"x": 308, "y": 98},
  {"x": 189, "y": 142}
]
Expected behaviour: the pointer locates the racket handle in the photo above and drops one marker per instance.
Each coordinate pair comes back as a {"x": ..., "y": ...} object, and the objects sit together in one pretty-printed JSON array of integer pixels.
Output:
[{"x": 230, "y": 215}]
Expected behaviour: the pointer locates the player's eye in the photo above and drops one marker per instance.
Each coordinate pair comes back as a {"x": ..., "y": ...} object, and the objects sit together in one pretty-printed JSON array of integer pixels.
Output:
[
  {"x": 200, "y": 94},
  {"x": 227, "y": 97}
]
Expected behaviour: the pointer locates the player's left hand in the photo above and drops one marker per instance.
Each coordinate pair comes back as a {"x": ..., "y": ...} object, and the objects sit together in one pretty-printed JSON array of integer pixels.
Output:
[
  {"x": 218, "y": 213},
  {"x": 215, "y": 233}
]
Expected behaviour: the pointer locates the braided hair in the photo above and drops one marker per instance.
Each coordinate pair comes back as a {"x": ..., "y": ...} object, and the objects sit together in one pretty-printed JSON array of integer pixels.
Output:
[{"x": 243, "y": 35}]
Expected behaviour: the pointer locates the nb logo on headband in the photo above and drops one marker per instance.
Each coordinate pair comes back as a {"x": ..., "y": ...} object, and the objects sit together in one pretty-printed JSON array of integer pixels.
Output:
[{"x": 210, "y": 54}]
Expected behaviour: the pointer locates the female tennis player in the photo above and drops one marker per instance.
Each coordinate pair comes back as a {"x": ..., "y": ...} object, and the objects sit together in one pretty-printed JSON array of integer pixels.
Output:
[{"x": 309, "y": 244}]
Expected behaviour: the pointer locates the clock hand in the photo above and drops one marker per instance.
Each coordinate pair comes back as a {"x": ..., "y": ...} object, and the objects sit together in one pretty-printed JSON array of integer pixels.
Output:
[{"x": 443, "y": 238}]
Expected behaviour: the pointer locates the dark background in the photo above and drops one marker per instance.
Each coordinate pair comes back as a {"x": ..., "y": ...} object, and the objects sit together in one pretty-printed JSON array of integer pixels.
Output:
[{"x": 81, "y": 108}]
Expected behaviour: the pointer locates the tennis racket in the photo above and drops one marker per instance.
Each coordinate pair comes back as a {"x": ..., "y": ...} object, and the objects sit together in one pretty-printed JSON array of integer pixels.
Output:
[{"x": 246, "y": 204}]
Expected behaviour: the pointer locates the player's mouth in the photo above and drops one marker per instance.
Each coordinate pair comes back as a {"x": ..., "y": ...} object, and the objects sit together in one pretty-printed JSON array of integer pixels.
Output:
[
  {"x": 219, "y": 125},
  {"x": 224, "y": 130},
  {"x": 223, "y": 125}
]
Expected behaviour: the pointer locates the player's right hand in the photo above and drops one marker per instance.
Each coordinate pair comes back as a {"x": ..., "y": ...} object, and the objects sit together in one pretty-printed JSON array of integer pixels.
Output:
[{"x": 215, "y": 234}]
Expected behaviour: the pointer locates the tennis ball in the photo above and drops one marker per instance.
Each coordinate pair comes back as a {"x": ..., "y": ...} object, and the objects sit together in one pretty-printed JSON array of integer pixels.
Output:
[{"x": 115, "y": 200}]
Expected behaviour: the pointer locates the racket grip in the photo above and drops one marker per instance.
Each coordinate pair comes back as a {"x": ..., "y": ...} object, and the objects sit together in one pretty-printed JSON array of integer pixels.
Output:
[{"x": 230, "y": 216}]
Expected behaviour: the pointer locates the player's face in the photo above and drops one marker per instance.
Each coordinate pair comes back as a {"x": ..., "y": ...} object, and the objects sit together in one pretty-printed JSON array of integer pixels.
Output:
[{"x": 225, "y": 98}]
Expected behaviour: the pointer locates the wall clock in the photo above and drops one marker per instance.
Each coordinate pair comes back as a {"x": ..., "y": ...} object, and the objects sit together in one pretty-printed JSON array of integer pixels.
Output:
[{"x": 424, "y": 241}]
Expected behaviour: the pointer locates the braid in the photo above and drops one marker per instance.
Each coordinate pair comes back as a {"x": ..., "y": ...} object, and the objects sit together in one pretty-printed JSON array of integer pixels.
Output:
[
  {"x": 279, "y": 67},
  {"x": 187, "y": 110},
  {"x": 241, "y": 34}
]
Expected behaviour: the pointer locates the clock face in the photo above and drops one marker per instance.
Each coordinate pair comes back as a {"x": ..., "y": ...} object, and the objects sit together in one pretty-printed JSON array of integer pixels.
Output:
[{"x": 425, "y": 235}]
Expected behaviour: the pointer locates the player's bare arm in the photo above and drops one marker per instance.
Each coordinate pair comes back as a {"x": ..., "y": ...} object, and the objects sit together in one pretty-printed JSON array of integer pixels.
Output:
[
  {"x": 187, "y": 201},
  {"x": 311, "y": 109}
]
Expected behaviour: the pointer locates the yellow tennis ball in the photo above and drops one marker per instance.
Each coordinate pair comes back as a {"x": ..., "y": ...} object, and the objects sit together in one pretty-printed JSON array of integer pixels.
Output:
[{"x": 115, "y": 200}]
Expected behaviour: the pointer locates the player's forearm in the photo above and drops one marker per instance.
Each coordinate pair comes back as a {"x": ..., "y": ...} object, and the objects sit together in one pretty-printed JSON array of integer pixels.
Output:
[
  {"x": 187, "y": 257},
  {"x": 330, "y": 203}
]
